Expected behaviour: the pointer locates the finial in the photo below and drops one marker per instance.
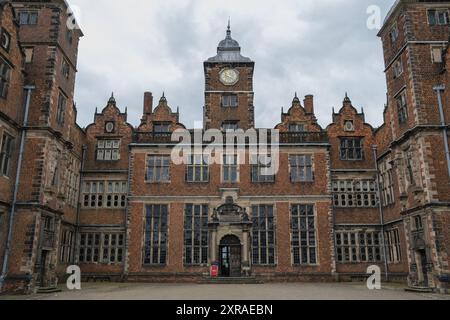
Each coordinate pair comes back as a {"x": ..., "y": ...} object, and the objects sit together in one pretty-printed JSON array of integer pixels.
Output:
[
  {"x": 229, "y": 27},
  {"x": 163, "y": 98},
  {"x": 347, "y": 99},
  {"x": 112, "y": 100},
  {"x": 296, "y": 99}
]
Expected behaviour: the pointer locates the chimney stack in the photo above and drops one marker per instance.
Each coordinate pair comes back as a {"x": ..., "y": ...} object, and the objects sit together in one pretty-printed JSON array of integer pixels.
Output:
[
  {"x": 148, "y": 103},
  {"x": 308, "y": 103}
]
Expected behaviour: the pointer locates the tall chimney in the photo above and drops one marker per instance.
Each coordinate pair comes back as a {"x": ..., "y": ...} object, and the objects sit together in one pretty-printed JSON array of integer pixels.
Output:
[
  {"x": 148, "y": 103},
  {"x": 308, "y": 103}
]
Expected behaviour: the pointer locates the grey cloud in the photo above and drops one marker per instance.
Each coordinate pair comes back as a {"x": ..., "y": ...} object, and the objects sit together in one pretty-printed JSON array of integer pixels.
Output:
[{"x": 319, "y": 47}]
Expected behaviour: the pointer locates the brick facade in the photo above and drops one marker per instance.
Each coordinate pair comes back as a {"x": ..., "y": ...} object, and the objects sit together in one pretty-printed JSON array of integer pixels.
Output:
[{"x": 110, "y": 199}]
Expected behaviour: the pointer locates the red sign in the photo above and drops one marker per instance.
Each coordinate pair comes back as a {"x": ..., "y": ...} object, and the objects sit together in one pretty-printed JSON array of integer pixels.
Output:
[{"x": 214, "y": 271}]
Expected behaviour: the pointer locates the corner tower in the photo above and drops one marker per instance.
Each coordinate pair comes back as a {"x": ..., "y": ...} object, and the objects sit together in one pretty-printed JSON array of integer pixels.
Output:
[{"x": 229, "y": 88}]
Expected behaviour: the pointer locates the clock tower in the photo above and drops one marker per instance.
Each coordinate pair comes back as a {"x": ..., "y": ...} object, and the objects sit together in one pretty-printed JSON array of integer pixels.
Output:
[{"x": 229, "y": 88}]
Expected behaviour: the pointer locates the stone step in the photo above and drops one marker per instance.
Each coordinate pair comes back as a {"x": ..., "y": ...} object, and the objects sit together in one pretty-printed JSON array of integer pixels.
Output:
[
  {"x": 418, "y": 289},
  {"x": 44, "y": 290},
  {"x": 230, "y": 280}
]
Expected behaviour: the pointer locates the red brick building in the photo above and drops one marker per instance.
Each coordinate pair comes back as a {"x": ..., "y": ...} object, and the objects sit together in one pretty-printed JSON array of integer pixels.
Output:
[{"x": 113, "y": 199}]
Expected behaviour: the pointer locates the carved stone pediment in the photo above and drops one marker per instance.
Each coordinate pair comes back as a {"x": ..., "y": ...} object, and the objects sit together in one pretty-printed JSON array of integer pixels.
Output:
[{"x": 230, "y": 212}]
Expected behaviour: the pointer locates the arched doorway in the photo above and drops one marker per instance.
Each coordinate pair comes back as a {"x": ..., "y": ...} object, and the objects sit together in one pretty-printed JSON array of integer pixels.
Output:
[{"x": 230, "y": 256}]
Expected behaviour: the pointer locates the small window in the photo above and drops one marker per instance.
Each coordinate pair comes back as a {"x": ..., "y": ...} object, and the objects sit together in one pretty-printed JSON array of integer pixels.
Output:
[
  {"x": 62, "y": 101},
  {"x": 262, "y": 171},
  {"x": 158, "y": 169},
  {"x": 108, "y": 150},
  {"x": 65, "y": 69},
  {"x": 5, "y": 74},
  {"x": 198, "y": 169},
  {"x": 161, "y": 128},
  {"x": 69, "y": 36},
  {"x": 351, "y": 149},
  {"x": 438, "y": 17},
  {"x": 297, "y": 127},
  {"x": 398, "y": 68},
  {"x": 418, "y": 223},
  {"x": 230, "y": 169},
  {"x": 5, "y": 40},
  {"x": 28, "y": 55},
  {"x": 28, "y": 18},
  {"x": 6, "y": 154},
  {"x": 437, "y": 54},
  {"x": 230, "y": 125},
  {"x": 301, "y": 168},
  {"x": 393, "y": 34},
  {"x": 229, "y": 101},
  {"x": 402, "y": 108}
]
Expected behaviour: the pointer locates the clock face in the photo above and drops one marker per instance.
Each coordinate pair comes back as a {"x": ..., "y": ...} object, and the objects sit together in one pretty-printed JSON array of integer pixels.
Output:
[
  {"x": 109, "y": 127},
  {"x": 229, "y": 77}
]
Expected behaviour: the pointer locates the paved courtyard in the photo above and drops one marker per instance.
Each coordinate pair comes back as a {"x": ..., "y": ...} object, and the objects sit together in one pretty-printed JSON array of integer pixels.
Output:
[{"x": 271, "y": 291}]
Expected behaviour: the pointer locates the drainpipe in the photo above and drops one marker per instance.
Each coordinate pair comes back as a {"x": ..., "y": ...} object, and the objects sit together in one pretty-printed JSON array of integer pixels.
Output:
[
  {"x": 439, "y": 90},
  {"x": 380, "y": 209},
  {"x": 74, "y": 257},
  {"x": 4, "y": 274}
]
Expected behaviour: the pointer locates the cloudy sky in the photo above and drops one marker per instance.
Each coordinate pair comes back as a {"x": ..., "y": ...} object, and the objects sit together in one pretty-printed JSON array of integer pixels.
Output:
[{"x": 320, "y": 47}]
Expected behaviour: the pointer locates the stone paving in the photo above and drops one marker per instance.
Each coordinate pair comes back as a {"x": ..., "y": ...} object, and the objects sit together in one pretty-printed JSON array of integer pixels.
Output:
[{"x": 268, "y": 291}]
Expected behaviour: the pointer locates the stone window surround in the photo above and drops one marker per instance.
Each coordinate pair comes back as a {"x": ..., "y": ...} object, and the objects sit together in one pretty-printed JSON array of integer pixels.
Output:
[
  {"x": 161, "y": 168},
  {"x": 114, "y": 149},
  {"x": 231, "y": 167},
  {"x": 393, "y": 245},
  {"x": 354, "y": 147},
  {"x": 305, "y": 167},
  {"x": 436, "y": 17},
  {"x": 98, "y": 246},
  {"x": 66, "y": 246},
  {"x": 198, "y": 161},
  {"x": 5, "y": 155},
  {"x": 258, "y": 231},
  {"x": 105, "y": 193},
  {"x": 362, "y": 193},
  {"x": 202, "y": 248},
  {"x": 308, "y": 246},
  {"x": 5, "y": 77},
  {"x": 354, "y": 249},
  {"x": 161, "y": 262}
]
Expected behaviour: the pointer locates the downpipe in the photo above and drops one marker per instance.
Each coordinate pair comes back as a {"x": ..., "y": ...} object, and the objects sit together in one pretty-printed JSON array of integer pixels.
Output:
[
  {"x": 12, "y": 212},
  {"x": 439, "y": 90}
]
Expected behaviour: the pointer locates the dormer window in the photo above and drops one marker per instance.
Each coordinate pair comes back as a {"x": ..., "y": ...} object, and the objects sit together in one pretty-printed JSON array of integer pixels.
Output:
[
  {"x": 438, "y": 17},
  {"x": 161, "y": 128},
  {"x": 108, "y": 150},
  {"x": 229, "y": 101},
  {"x": 351, "y": 148},
  {"x": 297, "y": 127}
]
